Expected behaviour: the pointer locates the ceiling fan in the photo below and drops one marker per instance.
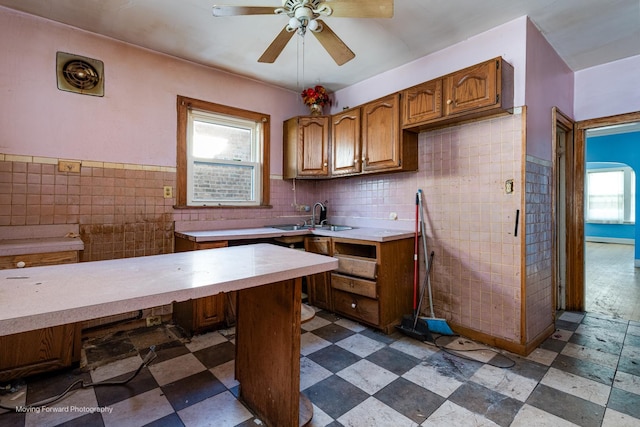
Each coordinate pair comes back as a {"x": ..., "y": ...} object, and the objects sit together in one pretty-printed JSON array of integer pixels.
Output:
[{"x": 304, "y": 15}]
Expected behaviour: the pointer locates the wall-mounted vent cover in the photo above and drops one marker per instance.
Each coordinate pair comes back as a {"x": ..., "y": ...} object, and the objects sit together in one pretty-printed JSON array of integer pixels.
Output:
[{"x": 79, "y": 74}]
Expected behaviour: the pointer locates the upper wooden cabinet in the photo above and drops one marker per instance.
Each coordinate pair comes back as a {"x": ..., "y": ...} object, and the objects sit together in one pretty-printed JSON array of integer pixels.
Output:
[
  {"x": 422, "y": 103},
  {"x": 386, "y": 147},
  {"x": 306, "y": 148},
  {"x": 477, "y": 91},
  {"x": 345, "y": 143},
  {"x": 381, "y": 134},
  {"x": 485, "y": 86}
]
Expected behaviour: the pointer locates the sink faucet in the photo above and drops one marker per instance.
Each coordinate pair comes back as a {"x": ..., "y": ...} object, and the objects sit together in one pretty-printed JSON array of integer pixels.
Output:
[{"x": 313, "y": 212}]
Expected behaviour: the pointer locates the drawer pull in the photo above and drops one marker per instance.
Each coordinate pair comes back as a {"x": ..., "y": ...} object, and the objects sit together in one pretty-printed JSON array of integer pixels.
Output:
[
  {"x": 21, "y": 264},
  {"x": 353, "y": 305}
]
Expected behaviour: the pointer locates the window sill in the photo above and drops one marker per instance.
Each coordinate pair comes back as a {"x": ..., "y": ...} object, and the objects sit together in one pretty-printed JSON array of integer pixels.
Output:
[{"x": 593, "y": 221}]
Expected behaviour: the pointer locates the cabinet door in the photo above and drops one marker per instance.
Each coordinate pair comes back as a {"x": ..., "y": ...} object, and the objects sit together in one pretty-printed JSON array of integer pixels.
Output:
[
  {"x": 380, "y": 134},
  {"x": 313, "y": 146},
  {"x": 319, "y": 290},
  {"x": 345, "y": 140},
  {"x": 471, "y": 88},
  {"x": 42, "y": 350},
  {"x": 201, "y": 314},
  {"x": 422, "y": 103},
  {"x": 319, "y": 285},
  {"x": 209, "y": 311}
]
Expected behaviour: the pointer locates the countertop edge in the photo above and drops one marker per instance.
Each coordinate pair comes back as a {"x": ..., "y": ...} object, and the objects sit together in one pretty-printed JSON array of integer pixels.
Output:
[
  {"x": 167, "y": 280},
  {"x": 357, "y": 233}
]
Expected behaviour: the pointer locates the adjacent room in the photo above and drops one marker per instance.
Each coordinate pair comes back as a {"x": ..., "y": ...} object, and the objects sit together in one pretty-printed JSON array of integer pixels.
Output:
[{"x": 319, "y": 212}]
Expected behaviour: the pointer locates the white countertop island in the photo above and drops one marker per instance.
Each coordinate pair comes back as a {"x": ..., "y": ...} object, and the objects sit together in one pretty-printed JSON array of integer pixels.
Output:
[
  {"x": 39, "y": 297},
  {"x": 266, "y": 277}
]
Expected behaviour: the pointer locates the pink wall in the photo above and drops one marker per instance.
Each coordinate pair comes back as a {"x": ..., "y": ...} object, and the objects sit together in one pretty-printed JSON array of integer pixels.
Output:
[
  {"x": 470, "y": 220},
  {"x": 608, "y": 89},
  {"x": 549, "y": 84},
  {"x": 135, "y": 122},
  {"x": 507, "y": 40},
  {"x": 462, "y": 169}
]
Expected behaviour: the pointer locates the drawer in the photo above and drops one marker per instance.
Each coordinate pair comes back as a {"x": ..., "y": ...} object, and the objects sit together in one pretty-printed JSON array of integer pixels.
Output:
[
  {"x": 356, "y": 266},
  {"x": 356, "y": 306},
  {"x": 354, "y": 285},
  {"x": 34, "y": 260},
  {"x": 318, "y": 245}
]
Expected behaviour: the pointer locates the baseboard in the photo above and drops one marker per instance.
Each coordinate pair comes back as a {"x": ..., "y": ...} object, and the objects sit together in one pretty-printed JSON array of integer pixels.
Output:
[{"x": 522, "y": 349}]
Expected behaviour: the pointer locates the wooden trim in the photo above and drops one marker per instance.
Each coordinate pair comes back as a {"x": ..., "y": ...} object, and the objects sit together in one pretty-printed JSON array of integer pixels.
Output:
[
  {"x": 522, "y": 227},
  {"x": 183, "y": 104},
  {"x": 520, "y": 348},
  {"x": 561, "y": 120},
  {"x": 575, "y": 228}
]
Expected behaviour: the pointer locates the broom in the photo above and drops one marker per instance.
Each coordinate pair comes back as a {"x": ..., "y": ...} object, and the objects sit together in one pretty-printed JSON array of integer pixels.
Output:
[
  {"x": 409, "y": 324},
  {"x": 439, "y": 326}
]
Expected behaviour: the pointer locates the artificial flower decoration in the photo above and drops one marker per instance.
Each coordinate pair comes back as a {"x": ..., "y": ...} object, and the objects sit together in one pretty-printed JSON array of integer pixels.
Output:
[{"x": 316, "y": 95}]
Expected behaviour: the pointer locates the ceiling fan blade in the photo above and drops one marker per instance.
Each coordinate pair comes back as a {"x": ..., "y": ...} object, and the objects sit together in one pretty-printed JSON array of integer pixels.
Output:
[
  {"x": 242, "y": 10},
  {"x": 276, "y": 46},
  {"x": 361, "y": 8},
  {"x": 339, "y": 51}
]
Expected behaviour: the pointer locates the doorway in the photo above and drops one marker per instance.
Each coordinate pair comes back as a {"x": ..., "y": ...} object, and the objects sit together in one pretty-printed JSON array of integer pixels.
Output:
[{"x": 575, "y": 186}]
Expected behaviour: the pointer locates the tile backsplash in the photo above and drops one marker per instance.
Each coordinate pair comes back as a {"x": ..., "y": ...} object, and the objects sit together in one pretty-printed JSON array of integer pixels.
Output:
[{"x": 470, "y": 214}]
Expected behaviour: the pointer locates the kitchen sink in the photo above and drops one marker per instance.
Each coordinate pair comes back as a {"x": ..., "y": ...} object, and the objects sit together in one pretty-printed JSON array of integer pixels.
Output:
[
  {"x": 294, "y": 227},
  {"x": 335, "y": 227},
  {"x": 291, "y": 227}
]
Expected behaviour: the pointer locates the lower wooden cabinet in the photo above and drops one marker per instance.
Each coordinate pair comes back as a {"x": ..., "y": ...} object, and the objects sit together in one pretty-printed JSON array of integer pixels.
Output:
[
  {"x": 41, "y": 350},
  {"x": 202, "y": 314},
  {"x": 38, "y": 351},
  {"x": 373, "y": 283}
]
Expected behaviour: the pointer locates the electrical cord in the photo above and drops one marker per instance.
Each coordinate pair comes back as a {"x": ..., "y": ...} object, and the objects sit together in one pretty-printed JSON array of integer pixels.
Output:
[
  {"x": 150, "y": 357},
  {"x": 454, "y": 352}
]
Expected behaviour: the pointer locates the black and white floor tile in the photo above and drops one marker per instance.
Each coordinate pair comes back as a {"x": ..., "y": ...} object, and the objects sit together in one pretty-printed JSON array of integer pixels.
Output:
[{"x": 586, "y": 374}]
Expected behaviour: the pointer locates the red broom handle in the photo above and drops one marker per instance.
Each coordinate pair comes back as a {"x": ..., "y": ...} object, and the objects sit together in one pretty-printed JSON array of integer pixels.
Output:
[{"x": 415, "y": 261}]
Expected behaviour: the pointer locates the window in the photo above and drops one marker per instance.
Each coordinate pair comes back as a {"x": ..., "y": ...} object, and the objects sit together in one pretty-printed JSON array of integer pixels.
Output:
[
  {"x": 222, "y": 156},
  {"x": 611, "y": 195}
]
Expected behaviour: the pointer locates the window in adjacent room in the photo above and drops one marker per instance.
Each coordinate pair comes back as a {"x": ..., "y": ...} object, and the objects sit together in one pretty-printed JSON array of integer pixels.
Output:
[
  {"x": 611, "y": 195},
  {"x": 222, "y": 155}
]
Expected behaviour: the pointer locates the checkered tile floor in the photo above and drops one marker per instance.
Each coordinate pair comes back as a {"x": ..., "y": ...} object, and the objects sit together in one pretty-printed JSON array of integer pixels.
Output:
[{"x": 585, "y": 374}]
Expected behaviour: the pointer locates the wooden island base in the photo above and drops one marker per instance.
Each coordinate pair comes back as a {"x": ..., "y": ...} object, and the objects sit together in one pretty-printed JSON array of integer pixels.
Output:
[{"x": 268, "y": 352}]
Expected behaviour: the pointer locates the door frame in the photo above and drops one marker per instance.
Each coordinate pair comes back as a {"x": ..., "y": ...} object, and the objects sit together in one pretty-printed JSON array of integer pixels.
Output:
[
  {"x": 575, "y": 224},
  {"x": 563, "y": 159}
]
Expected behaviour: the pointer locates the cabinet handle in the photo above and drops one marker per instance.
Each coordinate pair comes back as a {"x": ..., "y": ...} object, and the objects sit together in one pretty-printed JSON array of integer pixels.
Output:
[
  {"x": 355, "y": 161},
  {"x": 325, "y": 164},
  {"x": 353, "y": 304},
  {"x": 21, "y": 264},
  {"x": 449, "y": 101}
]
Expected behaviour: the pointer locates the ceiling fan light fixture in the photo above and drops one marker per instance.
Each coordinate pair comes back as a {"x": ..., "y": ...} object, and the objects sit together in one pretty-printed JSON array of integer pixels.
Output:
[
  {"x": 294, "y": 23},
  {"x": 314, "y": 25}
]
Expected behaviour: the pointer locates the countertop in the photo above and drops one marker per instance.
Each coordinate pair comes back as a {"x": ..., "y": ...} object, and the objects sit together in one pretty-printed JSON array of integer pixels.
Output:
[
  {"x": 357, "y": 233},
  {"x": 40, "y": 297},
  {"x": 39, "y": 245},
  {"x": 37, "y": 239}
]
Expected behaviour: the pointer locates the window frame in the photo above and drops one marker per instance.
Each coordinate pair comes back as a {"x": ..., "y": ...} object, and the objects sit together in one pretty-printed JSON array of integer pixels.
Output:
[
  {"x": 628, "y": 177},
  {"x": 184, "y": 104}
]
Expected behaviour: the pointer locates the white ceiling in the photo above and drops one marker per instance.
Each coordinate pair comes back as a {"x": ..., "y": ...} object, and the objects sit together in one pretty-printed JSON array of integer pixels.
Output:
[{"x": 585, "y": 33}]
